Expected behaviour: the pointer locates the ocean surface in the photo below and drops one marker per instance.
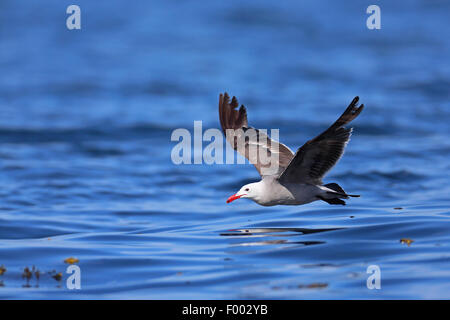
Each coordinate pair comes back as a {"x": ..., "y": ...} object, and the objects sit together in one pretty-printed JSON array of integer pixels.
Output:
[{"x": 86, "y": 118}]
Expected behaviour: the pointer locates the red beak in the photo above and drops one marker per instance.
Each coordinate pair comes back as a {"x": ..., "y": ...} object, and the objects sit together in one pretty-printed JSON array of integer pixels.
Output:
[{"x": 233, "y": 197}]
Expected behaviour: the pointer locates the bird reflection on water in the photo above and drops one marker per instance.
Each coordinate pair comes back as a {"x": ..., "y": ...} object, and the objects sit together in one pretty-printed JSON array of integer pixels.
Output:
[{"x": 274, "y": 232}]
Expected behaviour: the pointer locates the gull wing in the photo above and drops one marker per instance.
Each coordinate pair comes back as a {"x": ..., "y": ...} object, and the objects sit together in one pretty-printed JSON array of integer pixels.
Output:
[
  {"x": 317, "y": 156},
  {"x": 251, "y": 143}
]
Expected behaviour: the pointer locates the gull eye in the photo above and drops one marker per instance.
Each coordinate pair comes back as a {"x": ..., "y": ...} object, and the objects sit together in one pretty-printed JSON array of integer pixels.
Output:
[{"x": 247, "y": 189}]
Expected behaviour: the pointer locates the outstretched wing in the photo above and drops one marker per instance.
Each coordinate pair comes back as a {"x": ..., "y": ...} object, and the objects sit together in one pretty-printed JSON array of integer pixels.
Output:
[
  {"x": 317, "y": 156},
  {"x": 268, "y": 156}
]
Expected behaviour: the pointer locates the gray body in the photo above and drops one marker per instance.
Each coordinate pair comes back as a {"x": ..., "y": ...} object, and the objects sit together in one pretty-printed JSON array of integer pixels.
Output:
[{"x": 271, "y": 192}]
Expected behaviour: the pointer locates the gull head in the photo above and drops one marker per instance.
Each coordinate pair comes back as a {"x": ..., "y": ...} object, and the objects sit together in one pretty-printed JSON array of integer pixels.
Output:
[{"x": 251, "y": 191}]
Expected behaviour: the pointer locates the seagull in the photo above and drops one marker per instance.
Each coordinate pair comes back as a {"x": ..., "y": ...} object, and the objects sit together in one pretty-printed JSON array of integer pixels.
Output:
[{"x": 295, "y": 179}]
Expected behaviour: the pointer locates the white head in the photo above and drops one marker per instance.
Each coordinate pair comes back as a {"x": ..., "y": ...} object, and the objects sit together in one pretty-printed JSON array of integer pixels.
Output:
[{"x": 251, "y": 191}]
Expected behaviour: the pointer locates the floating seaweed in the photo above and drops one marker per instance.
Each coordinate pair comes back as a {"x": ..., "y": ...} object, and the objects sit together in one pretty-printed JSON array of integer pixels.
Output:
[
  {"x": 37, "y": 275},
  {"x": 71, "y": 260},
  {"x": 27, "y": 274},
  {"x": 406, "y": 241},
  {"x": 56, "y": 275},
  {"x": 313, "y": 286},
  {"x": 2, "y": 270}
]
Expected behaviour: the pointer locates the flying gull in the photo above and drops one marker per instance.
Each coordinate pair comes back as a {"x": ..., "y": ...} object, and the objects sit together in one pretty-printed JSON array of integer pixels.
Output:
[{"x": 293, "y": 179}]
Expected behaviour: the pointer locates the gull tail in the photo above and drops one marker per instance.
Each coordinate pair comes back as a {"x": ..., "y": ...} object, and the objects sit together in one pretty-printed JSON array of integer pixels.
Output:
[
  {"x": 338, "y": 190},
  {"x": 336, "y": 195}
]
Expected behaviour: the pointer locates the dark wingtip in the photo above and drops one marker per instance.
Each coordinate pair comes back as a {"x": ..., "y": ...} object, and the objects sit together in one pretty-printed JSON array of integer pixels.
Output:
[
  {"x": 224, "y": 96},
  {"x": 234, "y": 102},
  {"x": 354, "y": 101},
  {"x": 358, "y": 110},
  {"x": 349, "y": 114}
]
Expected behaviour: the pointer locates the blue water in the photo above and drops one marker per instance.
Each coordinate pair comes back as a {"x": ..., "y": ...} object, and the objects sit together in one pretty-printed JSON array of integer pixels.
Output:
[{"x": 86, "y": 118}]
